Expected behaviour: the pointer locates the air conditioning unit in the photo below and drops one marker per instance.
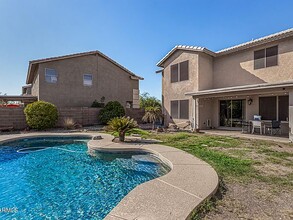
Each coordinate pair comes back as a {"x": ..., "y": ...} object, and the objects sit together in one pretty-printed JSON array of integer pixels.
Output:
[{"x": 209, "y": 123}]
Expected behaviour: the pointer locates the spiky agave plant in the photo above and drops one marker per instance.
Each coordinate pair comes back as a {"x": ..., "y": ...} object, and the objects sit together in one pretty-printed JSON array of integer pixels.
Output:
[
  {"x": 122, "y": 125},
  {"x": 152, "y": 114}
]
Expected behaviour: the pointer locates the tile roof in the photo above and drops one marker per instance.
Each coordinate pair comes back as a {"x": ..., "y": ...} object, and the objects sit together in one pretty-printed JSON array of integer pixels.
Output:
[
  {"x": 263, "y": 40},
  {"x": 258, "y": 41},
  {"x": 185, "y": 47}
]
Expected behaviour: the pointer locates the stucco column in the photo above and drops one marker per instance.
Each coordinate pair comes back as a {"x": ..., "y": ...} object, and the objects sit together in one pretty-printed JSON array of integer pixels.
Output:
[
  {"x": 291, "y": 115},
  {"x": 196, "y": 113}
]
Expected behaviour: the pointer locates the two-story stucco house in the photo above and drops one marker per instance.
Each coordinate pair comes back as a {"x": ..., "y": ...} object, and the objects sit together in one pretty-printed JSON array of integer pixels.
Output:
[
  {"x": 224, "y": 88},
  {"x": 77, "y": 80}
]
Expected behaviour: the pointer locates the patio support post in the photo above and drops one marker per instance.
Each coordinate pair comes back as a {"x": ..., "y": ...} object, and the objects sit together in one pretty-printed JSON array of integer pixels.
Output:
[
  {"x": 291, "y": 115},
  {"x": 196, "y": 119}
]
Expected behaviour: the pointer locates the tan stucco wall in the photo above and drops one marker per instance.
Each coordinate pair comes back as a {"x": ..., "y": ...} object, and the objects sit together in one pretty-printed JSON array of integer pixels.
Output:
[
  {"x": 206, "y": 111},
  {"x": 238, "y": 68},
  {"x": 235, "y": 69},
  {"x": 109, "y": 81},
  {"x": 205, "y": 76},
  {"x": 177, "y": 90},
  {"x": 35, "y": 86}
]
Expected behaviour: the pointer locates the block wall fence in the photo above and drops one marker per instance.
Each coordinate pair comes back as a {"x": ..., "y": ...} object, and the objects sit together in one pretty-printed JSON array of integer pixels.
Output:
[{"x": 14, "y": 117}]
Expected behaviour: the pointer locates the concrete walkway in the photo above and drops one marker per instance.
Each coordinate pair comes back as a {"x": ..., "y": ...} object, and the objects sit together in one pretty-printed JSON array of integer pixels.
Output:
[{"x": 239, "y": 134}]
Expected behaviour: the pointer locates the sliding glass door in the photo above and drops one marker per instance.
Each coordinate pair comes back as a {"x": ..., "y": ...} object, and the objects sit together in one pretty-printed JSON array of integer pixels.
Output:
[{"x": 232, "y": 112}]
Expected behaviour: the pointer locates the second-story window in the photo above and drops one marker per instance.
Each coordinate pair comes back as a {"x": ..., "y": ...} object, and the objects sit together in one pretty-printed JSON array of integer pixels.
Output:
[
  {"x": 51, "y": 75},
  {"x": 179, "y": 72},
  {"x": 266, "y": 57},
  {"x": 87, "y": 79}
]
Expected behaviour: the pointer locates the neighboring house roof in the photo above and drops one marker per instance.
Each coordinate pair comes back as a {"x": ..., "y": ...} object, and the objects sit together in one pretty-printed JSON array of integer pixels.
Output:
[
  {"x": 260, "y": 41},
  {"x": 235, "y": 89},
  {"x": 34, "y": 63}
]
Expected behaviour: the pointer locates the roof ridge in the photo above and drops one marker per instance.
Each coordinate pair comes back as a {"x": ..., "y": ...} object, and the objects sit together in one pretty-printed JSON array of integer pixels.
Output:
[
  {"x": 248, "y": 44},
  {"x": 186, "y": 47},
  {"x": 63, "y": 56},
  {"x": 256, "y": 40},
  {"x": 68, "y": 56}
]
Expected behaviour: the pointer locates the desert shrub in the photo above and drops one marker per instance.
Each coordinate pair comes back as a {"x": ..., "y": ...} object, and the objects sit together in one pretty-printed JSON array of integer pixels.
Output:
[
  {"x": 41, "y": 115},
  {"x": 111, "y": 110},
  {"x": 69, "y": 123},
  {"x": 122, "y": 125}
]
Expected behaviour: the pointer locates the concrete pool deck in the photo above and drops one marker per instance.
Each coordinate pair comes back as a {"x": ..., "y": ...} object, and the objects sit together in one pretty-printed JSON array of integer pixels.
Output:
[{"x": 172, "y": 196}]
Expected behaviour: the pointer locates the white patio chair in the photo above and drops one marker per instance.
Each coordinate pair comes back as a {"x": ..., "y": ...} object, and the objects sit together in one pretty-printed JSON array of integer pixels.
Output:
[{"x": 256, "y": 125}]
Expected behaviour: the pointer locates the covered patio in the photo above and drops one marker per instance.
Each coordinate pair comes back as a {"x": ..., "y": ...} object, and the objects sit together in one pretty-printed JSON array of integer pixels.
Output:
[
  {"x": 237, "y": 108},
  {"x": 16, "y": 101}
]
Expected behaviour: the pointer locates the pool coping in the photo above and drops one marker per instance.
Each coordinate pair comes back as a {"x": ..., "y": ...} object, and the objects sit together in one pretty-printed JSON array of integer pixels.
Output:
[{"x": 173, "y": 196}]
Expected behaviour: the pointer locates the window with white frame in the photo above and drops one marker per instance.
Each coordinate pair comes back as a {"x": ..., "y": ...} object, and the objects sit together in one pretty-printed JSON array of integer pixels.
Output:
[
  {"x": 87, "y": 79},
  {"x": 50, "y": 75}
]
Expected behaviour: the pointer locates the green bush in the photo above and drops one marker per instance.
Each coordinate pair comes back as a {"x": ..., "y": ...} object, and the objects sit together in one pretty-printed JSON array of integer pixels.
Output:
[
  {"x": 97, "y": 104},
  {"x": 111, "y": 110},
  {"x": 41, "y": 115},
  {"x": 100, "y": 104}
]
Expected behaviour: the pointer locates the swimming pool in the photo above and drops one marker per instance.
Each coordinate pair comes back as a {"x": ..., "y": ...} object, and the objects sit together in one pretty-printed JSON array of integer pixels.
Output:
[{"x": 55, "y": 177}]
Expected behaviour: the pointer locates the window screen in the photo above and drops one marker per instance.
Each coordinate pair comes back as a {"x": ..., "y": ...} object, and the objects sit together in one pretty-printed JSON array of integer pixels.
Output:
[
  {"x": 50, "y": 75},
  {"x": 174, "y": 109},
  {"x": 184, "y": 70},
  {"x": 268, "y": 108},
  {"x": 272, "y": 56},
  {"x": 283, "y": 108},
  {"x": 184, "y": 107},
  {"x": 87, "y": 79},
  {"x": 259, "y": 59},
  {"x": 174, "y": 73}
]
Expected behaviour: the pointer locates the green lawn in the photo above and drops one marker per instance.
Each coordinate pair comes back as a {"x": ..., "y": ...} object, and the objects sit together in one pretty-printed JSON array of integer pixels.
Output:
[
  {"x": 233, "y": 158},
  {"x": 264, "y": 169}
]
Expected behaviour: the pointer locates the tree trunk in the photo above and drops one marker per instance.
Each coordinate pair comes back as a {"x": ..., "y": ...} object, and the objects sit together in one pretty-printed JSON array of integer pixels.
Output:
[
  {"x": 153, "y": 125},
  {"x": 122, "y": 136}
]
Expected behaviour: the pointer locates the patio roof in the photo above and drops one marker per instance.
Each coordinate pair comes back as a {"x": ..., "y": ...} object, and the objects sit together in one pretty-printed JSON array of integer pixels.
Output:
[
  {"x": 243, "y": 90},
  {"x": 22, "y": 98}
]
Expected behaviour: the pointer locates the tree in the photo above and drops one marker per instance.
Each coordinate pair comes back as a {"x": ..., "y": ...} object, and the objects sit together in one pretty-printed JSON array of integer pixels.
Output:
[
  {"x": 145, "y": 100},
  {"x": 121, "y": 125},
  {"x": 111, "y": 110},
  {"x": 152, "y": 114}
]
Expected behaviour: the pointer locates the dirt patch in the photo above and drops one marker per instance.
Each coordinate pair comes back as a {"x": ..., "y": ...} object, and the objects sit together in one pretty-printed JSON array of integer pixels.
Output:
[
  {"x": 282, "y": 148},
  {"x": 253, "y": 201},
  {"x": 270, "y": 169}
]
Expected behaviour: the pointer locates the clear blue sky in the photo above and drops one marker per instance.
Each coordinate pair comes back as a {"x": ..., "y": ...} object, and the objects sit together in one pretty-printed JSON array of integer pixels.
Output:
[{"x": 135, "y": 33}]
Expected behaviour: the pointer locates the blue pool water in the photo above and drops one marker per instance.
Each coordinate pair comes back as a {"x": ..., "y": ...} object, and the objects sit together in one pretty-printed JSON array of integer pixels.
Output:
[{"x": 55, "y": 178}]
